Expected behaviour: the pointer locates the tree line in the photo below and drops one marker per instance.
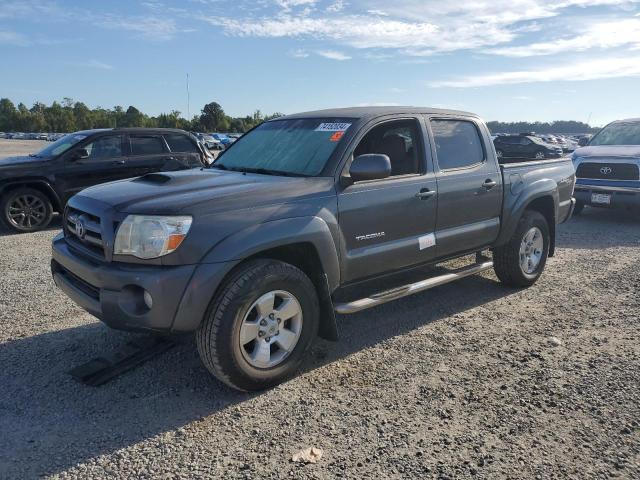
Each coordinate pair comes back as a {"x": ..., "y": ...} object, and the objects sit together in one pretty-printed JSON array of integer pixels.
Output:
[
  {"x": 561, "y": 127},
  {"x": 71, "y": 116}
]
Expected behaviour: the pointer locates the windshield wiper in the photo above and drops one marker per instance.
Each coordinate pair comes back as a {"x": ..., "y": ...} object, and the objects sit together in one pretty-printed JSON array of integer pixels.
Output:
[
  {"x": 261, "y": 171},
  {"x": 34, "y": 155}
]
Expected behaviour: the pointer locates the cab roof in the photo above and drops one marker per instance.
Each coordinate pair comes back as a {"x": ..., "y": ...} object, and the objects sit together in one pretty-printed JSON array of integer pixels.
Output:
[{"x": 372, "y": 112}]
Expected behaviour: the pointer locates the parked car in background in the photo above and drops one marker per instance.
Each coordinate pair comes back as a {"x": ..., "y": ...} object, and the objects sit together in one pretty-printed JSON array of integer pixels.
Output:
[
  {"x": 210, "y": 142},
  {"x": 33, "y": 187},
  {"x": 335, "y": 214},
  {"x": 222, "y": 138},
  {"x": 608, "y": 168},
  {"x": 525, "y": 146}
]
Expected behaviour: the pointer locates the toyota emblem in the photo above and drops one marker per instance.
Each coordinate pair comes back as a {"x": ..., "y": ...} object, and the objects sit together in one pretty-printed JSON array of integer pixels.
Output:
[
  {"x": 80, "y": 228},
  {"x": 605, "y": 170}
]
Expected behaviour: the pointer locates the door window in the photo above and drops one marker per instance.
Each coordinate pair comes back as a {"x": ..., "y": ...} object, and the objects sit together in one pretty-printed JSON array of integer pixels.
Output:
[
  {"x": 180, "y": 143},
  {"x": 146, "y": 145},
  {"x": 458, "y": 143},
  {"x": 400, "y": 141},
  {"x": 105, "y": 147}
]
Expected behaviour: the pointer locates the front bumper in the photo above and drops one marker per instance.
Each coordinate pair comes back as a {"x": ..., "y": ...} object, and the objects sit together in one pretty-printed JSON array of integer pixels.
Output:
[
  {"x": 114, "y": 292},
  {"x": 621, "y": 197}
]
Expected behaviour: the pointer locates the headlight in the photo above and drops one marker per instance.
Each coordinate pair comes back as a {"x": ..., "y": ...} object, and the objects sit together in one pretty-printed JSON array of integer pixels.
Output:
[{"x": 150, "y": 236}]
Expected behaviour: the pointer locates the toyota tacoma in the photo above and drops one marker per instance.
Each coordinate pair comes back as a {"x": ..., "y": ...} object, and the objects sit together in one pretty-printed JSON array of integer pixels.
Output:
[{"x": 304, "y": 217}]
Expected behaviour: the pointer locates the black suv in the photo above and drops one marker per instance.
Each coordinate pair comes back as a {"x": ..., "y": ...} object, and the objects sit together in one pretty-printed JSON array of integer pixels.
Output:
[
  {"x": 525, "y": 146},
  {"x": 35, "y": 186}
]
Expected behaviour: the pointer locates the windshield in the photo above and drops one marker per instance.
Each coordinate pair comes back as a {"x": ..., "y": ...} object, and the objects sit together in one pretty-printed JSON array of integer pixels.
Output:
[
  {"x": 618, "y": 134},
  {"x": 296, "y": 147},
  {"x": 61, "y": 145}
]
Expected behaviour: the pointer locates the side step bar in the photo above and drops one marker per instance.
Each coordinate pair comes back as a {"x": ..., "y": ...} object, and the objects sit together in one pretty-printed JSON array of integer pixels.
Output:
[{"x": 406, "y": 290}]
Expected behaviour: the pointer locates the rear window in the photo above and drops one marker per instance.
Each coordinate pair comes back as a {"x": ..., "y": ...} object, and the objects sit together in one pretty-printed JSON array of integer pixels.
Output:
[
  {"x": 180, "y": 143},
  {"x": 146, "y": 145},
  {"x": 458, "y": 143}
]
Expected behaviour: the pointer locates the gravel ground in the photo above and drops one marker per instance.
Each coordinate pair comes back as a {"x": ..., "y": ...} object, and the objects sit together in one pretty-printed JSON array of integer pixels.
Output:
[
  {"x": 20, "y": 147},
  {"x": 470, "y": 380}
]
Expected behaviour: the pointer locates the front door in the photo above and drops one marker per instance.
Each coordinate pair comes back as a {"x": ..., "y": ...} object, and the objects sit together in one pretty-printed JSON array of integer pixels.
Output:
[
  {"x": 469, "y": 187},
  {"x": 388, "y": 224},
  {"x": 105, "y": 162}
]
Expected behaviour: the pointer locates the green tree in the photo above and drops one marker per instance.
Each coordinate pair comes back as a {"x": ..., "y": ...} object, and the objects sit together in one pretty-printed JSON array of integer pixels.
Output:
[
  {"x": 8, "y": 115},
  {"x": 212, "y": 117}
]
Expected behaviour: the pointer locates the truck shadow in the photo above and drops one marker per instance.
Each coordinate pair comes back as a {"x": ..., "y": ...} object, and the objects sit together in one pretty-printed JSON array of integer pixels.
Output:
[
  {"x": 594, "y": 226},
  {"x": 51, "y": 423}
]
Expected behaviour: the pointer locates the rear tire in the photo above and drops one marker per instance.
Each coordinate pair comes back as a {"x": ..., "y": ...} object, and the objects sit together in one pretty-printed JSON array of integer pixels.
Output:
[
  {"x": 25, "y": 210},
  {"x": 241, "y": 341},
  {"x": 520, "y": 262}
]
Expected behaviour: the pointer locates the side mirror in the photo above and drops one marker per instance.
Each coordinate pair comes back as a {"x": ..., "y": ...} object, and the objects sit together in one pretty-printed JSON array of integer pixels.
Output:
[
  {"x": 371, "y": 166},
  {"x": 79, "y": 154},
  {"x": 583, "y": 142}
]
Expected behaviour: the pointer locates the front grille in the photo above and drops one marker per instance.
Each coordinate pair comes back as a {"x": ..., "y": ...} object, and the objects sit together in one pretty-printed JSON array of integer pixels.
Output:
[
  {"x": 84, "y": 229},
  {"x": 608, "y": 171}
]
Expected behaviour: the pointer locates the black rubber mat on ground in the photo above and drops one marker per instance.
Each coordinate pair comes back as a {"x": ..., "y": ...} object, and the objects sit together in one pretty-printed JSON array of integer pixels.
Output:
[{"x": 101, "y": 370}]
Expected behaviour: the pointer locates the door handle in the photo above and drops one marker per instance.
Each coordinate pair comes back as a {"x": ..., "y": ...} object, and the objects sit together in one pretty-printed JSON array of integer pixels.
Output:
[
  {"x": 425, "y": 193},
  {"x": 118, "y": 162},
  {"x": 489, "y": 184}
]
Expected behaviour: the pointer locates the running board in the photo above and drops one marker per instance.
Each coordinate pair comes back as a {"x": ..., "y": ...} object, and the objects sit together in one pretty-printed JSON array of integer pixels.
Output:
[{"x": 410, "y": 289}]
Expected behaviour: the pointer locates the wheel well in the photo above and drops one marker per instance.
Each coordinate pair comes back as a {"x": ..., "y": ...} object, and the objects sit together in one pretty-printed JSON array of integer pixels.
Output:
[
  {"x": 546, "y": 207},
  {"x": 41, "y": 187},
  {"x": 301, "y": 255}
]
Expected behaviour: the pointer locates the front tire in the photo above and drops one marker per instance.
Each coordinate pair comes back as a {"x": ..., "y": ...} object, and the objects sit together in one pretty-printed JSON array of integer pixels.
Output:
[
  {"x": 520, "y": 262},
  {"x": 539, "y": 155},
  {"x": 259, "y": 325},
  {"x": 26, "y": 210}
]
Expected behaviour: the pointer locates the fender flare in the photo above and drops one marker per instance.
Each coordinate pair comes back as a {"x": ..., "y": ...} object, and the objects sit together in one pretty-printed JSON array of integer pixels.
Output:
[
  {"x": 279, "y": 233},
  {"x": 536, "y": 190}
]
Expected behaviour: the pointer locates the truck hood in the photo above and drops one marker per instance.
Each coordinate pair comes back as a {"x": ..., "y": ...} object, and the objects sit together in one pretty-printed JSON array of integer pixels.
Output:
[
  {"x": 609, "y": 151},
  {"x": 204, "y": 190}
]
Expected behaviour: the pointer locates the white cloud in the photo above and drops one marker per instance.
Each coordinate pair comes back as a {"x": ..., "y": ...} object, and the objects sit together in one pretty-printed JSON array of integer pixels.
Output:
[
  {"x": 593, "y": 69},
  {"x": 336, "y": 6},
  {"x": 333, "y": 55},
  {"x": 299, "y": 53},
  {"x": 601, "y": 35},
  {"x": 414, "y": 27},
  {"x": 149, "y": 27},
  {"x": 93, "y": 64},
  {"x": 12, "y": 38}
]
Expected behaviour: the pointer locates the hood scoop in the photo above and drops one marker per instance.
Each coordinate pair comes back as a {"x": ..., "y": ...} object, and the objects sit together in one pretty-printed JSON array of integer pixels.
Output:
[{"x": 155, "y": 178}]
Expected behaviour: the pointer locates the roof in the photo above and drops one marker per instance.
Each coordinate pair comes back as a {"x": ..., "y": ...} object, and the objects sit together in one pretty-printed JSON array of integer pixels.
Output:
[
  {"x": 369, "y": 112},
  {"x": 130, "y": 130}
]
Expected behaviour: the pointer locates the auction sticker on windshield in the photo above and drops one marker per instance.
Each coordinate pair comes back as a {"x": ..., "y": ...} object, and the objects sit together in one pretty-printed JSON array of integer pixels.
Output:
[{"x": 333, "y": 127}]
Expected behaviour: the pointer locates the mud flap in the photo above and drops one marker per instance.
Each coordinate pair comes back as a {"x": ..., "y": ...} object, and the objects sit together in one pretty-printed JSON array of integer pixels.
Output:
[
  {"x": 328, "y": 327},
  {"x": 101, "y": 370}
]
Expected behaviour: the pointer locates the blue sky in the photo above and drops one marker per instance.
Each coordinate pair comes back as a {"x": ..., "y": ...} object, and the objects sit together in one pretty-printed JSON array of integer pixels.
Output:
[{"x": 504, "y": 59}]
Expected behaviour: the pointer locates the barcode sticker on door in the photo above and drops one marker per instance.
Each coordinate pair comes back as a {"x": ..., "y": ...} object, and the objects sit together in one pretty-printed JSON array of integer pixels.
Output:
[{"x": 427, "y": 241}]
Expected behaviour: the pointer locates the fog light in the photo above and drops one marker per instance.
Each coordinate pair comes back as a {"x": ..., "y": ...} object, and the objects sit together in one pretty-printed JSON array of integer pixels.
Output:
[{"x": 148, "y": 300}]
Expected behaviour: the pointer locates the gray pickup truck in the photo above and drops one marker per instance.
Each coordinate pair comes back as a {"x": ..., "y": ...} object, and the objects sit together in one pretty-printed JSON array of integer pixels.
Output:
[{"x": 305, "y": 216}]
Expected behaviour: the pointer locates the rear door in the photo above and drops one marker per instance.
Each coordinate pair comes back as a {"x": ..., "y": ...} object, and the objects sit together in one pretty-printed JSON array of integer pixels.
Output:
[
  {"x": 469, "y": 186},
  {"x": 149, "y": 153},
  {"x": 106, "y": 162},
  {"x": 184, "y": 149},
  {"x": 388, "y": 224}
]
